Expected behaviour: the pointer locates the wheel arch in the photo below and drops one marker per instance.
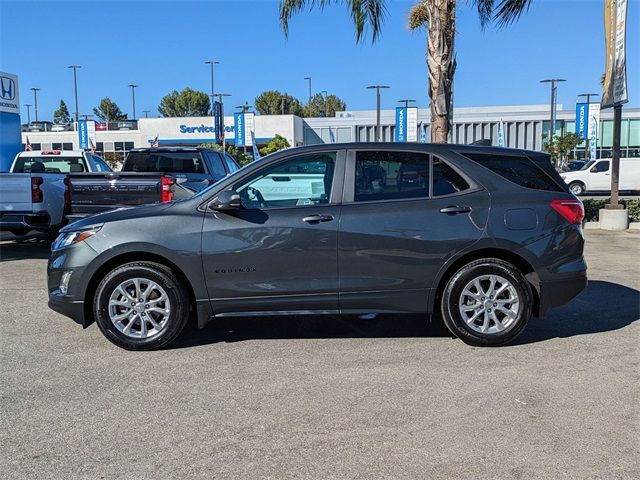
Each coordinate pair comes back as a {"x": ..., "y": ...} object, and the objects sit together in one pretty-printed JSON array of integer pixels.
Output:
[
  {"x": 123, "y": 258},
  {"x": 516, "y": 260}
]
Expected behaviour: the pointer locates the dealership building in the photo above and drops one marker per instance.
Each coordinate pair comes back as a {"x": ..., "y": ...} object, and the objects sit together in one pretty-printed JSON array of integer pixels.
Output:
[{"x": 523, "y": 126}]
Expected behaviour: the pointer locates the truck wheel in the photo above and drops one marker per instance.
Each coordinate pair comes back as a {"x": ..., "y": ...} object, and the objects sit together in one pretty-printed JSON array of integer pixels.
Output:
[
  {"x": 577, "y": 188},
  {"x": 487, "y": 302},
  {"x": 141, "y": 306}
]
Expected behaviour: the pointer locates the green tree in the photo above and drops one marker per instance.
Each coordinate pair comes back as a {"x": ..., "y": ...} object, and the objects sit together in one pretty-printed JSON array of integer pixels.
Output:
[
  {"x": 276, "y": 144},
  {"x": 319, "y": 106},
  {"x": 560, "y": 148},
  {"x": 61, "y": 115},
  {"x": 187, "y": 103},
  {"x": 109, "y": 111},
  {"x": 438, "y": 18},
  {"x": 273, "y": 102}
]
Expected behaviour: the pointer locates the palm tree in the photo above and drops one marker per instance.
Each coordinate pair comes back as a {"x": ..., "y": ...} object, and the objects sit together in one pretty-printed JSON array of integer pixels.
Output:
[{"x": 438, "y": 17}]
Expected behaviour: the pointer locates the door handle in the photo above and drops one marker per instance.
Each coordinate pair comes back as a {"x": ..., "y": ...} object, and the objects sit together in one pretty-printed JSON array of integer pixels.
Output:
[
  {"x": 317, "y": 218},
  {"x": 454, "y": 210}
]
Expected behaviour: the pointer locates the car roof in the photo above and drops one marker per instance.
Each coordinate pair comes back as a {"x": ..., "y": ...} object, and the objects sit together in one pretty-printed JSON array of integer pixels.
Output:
[{"x": 51, "y": 153}]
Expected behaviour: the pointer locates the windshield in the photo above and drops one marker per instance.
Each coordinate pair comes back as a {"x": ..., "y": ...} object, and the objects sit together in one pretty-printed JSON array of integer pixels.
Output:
[{"x": 588, "y": 165}]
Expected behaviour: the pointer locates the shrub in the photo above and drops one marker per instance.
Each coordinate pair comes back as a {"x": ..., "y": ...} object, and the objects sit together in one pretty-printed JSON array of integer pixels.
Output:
[{"x": 592, "y": 206}]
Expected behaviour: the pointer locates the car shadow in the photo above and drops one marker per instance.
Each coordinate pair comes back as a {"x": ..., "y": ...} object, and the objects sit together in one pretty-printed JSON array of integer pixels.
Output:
[
  {"x": 602, "y": 307},
  {"x": 24, "y": 248}
]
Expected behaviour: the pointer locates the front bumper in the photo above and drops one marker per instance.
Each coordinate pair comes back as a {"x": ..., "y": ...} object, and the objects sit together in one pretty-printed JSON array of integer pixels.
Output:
[{"x": 74, "y": 309}]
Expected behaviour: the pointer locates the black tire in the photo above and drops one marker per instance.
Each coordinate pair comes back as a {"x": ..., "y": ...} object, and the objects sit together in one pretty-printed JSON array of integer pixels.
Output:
[
  {"x": 19, "y": 232},
  {"x": 468, "y": 332},
  {"x": 164, "y": 277},
  {"x": 577, "y": 188}
]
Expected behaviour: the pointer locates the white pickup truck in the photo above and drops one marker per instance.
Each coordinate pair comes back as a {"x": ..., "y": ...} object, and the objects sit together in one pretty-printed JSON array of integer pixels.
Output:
[{"x": 35, "y": 194}]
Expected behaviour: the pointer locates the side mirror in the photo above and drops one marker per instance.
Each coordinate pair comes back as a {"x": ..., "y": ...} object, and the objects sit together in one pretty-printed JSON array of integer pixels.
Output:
[{"x": 227, "y": 200}]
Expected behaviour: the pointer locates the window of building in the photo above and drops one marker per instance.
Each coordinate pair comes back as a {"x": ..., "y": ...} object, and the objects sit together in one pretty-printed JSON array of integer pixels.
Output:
[
  {"x": 67, "y": 146},
  {"x": 300, "y": 182},
  {"x": 128, "y": 146},
  {"x": 56, "y": 146},
  {"x": 446, "y": 180},
  {"x": 517, "y": 169},
  {"x": 387, "y": 175}
]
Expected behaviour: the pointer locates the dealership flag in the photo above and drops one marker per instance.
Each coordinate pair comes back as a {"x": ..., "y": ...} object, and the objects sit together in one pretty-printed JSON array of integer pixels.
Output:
[
  {"x": 256, "y": 152},
  {"x": 92, "y": 145},
  {"x": 501, "y": 134},
  {"x": 614, "y": 89},
  {"x": 331, "y": 136},
  {"x": 155, "y": 142},
  {"x": 28, "y": 147},
  {"x": 423, "y": 133}
]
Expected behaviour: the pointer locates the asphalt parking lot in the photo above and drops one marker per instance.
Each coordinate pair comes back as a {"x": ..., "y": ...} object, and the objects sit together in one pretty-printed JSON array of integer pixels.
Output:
[{"x": 393, "y": 397}]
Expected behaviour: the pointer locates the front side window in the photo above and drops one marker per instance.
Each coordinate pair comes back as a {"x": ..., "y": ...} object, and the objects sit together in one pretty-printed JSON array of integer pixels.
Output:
[
  {"x": 387, "y": 175},
  {"x": 215, "y": 163},
  {"x": 602, "y": 166},
  {"x": 299, "y": 182}
]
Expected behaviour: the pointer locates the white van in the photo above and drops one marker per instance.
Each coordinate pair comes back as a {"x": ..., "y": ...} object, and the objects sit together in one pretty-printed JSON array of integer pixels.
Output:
[{"x": 595, "y": 176}]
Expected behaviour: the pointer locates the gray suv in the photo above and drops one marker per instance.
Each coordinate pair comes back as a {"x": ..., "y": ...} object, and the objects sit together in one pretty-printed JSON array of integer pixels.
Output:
[{"x": 483, "y": 237}]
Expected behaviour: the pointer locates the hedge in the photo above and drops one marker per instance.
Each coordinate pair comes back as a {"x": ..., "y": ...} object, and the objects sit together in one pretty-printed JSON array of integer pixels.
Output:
[{"x": 592, "y": 206}]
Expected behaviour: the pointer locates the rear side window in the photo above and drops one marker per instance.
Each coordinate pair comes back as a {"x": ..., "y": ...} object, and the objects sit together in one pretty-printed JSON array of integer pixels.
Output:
[
  {"x": 232, "y": 166},
  {"x": 386, "y": 175},
  {"x": 164, "y": 162},
  {"x": 446, "y": 180},
  {"x": 517, "y": 169},
  {"x": 217, "y": 168}
]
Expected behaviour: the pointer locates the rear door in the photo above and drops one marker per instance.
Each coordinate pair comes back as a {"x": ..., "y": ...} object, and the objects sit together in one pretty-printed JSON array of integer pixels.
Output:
[{"x": 404, "y": 214}]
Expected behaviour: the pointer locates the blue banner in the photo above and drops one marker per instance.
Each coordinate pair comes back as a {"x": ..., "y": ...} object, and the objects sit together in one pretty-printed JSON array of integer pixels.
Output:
[
  {"x": 401, "y": 124},
  {"x": 582, "y": 119},
  {"x": 83, "y": 134},
  {"x": 238, "y": 120}
]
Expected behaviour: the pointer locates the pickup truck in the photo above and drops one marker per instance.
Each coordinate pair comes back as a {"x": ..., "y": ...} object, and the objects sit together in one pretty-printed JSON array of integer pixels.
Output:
[
  {"x": 34, "y": 195},
  {"x": 149, "y": 175}
]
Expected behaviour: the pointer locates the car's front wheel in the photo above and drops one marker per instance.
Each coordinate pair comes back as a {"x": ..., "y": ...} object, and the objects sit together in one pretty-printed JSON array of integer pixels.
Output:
[
  {"x": 487, "y": 302},
  {"x": 141, "y": 306},
  {"x": 577, "y": 188}
]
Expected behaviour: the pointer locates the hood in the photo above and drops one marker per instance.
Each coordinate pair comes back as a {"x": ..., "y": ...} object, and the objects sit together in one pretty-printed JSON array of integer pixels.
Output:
[{"x": 125, "y": 213}]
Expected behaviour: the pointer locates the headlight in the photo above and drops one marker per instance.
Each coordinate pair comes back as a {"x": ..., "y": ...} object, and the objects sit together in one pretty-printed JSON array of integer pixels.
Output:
[{"x": 76, "y": 236}]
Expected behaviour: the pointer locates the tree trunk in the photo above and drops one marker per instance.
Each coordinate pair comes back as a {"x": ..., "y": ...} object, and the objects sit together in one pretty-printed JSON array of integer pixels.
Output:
[{"x": 442, "y": 65}]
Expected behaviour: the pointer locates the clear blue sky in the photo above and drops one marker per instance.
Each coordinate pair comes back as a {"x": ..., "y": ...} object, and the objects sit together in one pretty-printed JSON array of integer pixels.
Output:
[{"x": 161, "y": 45}]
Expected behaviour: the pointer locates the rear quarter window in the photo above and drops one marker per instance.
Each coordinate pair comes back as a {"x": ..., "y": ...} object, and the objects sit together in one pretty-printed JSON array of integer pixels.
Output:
[{"x": 517, "y": 169}]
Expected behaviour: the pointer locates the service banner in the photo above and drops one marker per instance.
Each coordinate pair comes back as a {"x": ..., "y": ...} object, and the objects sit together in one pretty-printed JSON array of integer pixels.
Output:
[
  {"x": 614, "y": 91},
  {"x": 249, "y": 128}
]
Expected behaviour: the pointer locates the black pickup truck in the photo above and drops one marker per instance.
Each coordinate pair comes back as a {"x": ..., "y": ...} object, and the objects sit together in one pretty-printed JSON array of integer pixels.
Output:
[{"x": 149, "y": 175}]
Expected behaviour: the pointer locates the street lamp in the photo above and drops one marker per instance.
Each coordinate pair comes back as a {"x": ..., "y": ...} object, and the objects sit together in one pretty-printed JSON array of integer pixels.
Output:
[
  {"x": 212, "y": 63},
  {"x": 35, "y": 101},
  {"x": 325, "y": 94},
  {"x": 406, "y": 102},
  {"x": 587, "y": 154},
  {"x": 309, "y": 80},
  {"x": 28, "y": 105},
  {"x": 554, "y": 90},
  {"x": 220, "y": 95},
  {"x": 378, "y": 129},
  {"x": 75, "y": 86},
  {"x": 133, "y": 97},
  {"x": 146, "y": 113}
]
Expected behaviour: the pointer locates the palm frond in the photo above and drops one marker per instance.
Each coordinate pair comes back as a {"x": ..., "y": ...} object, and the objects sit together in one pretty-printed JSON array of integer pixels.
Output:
[
  {"x": 364, "y": 13},
  {"x": 418, "y": 15},
  {"x": 502, "y": 12}
]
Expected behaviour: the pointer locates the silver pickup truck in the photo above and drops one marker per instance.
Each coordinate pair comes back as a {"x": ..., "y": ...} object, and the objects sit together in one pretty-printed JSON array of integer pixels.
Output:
[{"x": 35, "y": 194}]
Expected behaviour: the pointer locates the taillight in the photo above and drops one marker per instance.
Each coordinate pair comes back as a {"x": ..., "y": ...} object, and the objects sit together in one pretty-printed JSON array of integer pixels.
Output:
[
  {"x": 166, "y": 194},
  {"x": 571, "y": 210},
  {"x": 36, "y": 193},
  {"x": 67, "y": 192}
]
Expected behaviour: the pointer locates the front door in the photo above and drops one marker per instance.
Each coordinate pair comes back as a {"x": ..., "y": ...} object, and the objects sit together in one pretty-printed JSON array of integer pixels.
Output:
[
  {"x": 278, "y": 253},
  {"x": 600, "y": 176},
  {"x": 402, "y": 218}
]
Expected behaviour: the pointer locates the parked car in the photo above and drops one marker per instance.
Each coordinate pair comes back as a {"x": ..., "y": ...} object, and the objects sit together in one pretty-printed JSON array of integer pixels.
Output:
[
  {"x": 491, "y": 238},
  {"x": 59, "y": 128},
  {"x": 149, "y": 175},
  {"x": 595, "y": 176},
  {"x": 34, "y": 195}
]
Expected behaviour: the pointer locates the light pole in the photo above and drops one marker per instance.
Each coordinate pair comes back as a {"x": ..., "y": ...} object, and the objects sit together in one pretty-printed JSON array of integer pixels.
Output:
[
  {"x": 146, "y": 113},
  {"x": 28, "y": 105},
  {"x": 75, "y": 86},
  {"x": 554, "y": 89},
  {"x": 308, "y": 79},
  {"x": 325, "y": 94},
  {"x": 587, "y": 151},
  {"x": 406, "y": 102},
  {"x": 212, "y": 63},
  {"x": 35, "y": 101},
  {"x": 378, "y": 129},
  {"x": 133, "y": 98},
  {"x": 220, "y": 95}
]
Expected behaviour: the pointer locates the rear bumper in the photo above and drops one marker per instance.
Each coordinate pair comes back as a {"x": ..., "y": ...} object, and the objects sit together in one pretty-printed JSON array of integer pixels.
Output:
[
  {"x": 563, "y": 287},
  {"x": 17, "y": 220}
]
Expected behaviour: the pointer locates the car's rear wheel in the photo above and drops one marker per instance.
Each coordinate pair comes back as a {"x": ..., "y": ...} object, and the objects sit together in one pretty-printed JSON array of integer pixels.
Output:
[
  {"x": 576, "y": 188},
  {"x": 141, "y": 306},
  {"x": 487, "y": 302}
]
